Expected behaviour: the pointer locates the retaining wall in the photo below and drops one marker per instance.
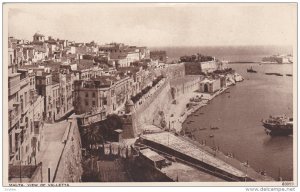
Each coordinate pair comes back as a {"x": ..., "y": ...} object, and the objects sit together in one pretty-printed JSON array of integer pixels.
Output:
[
  {"x": 148, "y": 112},
  {"x": 69, "y": 168}
]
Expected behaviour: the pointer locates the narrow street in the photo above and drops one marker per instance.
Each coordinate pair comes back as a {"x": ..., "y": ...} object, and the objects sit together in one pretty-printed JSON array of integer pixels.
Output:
[{"x": 52, "y": 149}]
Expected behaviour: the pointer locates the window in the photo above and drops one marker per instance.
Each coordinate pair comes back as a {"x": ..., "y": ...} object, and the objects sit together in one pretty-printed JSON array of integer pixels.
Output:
[
  {"x": 86, "y": 102},
  {"x": 86, "y": 94},
  {"x": 10, "y": 142},
  {"x": 94, "y": 94},
  {"x": 94, "y": 103},
  {"x": 104, "y": 101},
  {"x": 36, "y": 129}
]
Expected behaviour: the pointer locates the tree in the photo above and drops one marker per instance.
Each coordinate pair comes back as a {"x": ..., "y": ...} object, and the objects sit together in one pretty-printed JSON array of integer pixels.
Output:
[
  {"x": 114, "y": 122},
  {"x": 92, "y": 136}
]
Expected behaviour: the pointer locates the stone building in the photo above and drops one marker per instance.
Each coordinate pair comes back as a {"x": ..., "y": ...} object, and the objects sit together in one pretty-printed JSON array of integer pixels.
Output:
[
  {"x": 25, "y": 118},
  {"x": 38, "y": 37},
  {"x": 210, "y": 85},
  {"x": 208, "y": 66},
  {"x": 44, "y": 88},
  {"x": 106, "y": 93},
  {"x": 57, "y": 90}
]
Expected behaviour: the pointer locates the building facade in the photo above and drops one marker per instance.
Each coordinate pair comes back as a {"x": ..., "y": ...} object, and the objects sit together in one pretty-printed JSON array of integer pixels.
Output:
[{"x": 210, "y": 85}]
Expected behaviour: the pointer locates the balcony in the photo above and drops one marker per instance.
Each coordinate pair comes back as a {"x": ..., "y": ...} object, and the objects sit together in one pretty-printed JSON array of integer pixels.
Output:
[
  {"x": 14, "y": 116},
  {"x": 25, "y": 109}
]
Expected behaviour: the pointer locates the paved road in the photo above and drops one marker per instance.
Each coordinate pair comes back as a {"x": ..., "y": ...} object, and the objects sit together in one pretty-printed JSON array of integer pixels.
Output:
[
  {"x": 185, "y": 173},
  {"x": 53, "y": 147}
]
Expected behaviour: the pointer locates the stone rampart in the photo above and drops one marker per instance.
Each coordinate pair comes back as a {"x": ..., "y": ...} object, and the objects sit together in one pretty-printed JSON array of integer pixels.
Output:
[{"x": 69, "y": 167}]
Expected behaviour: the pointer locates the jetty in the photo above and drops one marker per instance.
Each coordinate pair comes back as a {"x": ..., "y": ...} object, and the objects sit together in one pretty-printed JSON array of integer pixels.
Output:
[{"x": 191, "y": 154}]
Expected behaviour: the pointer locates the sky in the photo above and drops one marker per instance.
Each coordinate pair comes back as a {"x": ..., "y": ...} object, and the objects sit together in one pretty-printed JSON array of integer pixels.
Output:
[{"x": 157, "y": 24}]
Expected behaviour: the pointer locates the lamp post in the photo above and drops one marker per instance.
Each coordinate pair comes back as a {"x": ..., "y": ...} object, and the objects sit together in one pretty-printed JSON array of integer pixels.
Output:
[
  {"x": 20, "y": 165},
  {"x": 49, "y": 172}
]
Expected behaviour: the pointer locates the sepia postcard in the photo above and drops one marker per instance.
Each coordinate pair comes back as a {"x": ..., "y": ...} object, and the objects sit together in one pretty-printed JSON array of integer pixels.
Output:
[{"x": 150, "y": 94}]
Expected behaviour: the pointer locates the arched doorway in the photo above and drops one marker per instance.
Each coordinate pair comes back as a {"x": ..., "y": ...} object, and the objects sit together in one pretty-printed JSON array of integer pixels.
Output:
[{"x": 205, "y": 88}]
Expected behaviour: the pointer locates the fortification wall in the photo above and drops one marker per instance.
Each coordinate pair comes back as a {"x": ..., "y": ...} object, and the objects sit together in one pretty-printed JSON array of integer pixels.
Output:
[
  {"x": 192, "y": 68},
  {"x": 172, "y": 71},
  {"x": 186, "y": 84},
  {"x": 69, "y": 167},
  {"x": 151, "y": 110}
]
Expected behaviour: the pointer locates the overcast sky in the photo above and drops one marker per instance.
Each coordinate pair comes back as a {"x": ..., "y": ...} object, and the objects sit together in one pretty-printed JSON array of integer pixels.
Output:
[{"x": 158, "y": 24}]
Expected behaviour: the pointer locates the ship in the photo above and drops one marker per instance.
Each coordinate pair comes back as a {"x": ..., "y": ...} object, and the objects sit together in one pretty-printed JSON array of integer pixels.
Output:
[
  {"x": 278, "y": 125},
  {"x": 251, "y": 70}
]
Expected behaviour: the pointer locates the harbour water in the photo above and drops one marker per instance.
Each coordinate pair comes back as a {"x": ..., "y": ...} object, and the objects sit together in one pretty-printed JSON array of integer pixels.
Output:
[{"x": 238, "y": 114}]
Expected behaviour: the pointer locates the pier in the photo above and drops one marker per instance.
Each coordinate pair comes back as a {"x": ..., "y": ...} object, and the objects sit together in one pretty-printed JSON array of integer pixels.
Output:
[{"x": 189, "y": 153}]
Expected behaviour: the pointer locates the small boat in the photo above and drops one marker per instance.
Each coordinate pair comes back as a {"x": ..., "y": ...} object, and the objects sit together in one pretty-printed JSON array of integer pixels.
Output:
[
  {"x": 230, "y": 155},
  {"x": 246, "y": 164},
  {"x": 269, "y": 73},
  {"x": 251, "y": 70},
  {"x": 211, "y": 135},
  {"x": 278, "y": 74},
  {"x": 263, "y": 172},
  {"x": 214, "y": 128},
  {"x": 289, "y": 75}
]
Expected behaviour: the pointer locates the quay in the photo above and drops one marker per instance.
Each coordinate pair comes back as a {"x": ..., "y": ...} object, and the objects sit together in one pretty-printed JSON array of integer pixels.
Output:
[{"x": 189, "y": 153}]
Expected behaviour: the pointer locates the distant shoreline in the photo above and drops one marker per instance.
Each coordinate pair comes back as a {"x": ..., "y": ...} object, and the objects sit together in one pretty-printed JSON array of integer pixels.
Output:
[
  {"x": 233, "y": 62},
  {"x": 254, "y": 62}
]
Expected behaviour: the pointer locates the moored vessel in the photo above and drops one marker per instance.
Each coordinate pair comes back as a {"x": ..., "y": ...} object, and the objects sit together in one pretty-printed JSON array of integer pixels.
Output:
[
  {"x": 278, "y": 125},
  {"x": 251, "y": 70}
]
